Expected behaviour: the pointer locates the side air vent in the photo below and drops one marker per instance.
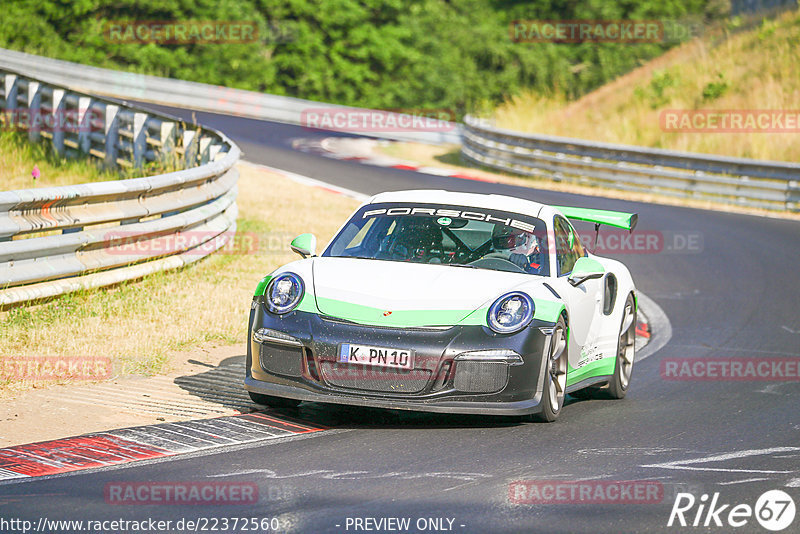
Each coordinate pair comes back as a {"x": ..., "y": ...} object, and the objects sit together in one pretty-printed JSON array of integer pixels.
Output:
[{"x": 609, "y": 294}]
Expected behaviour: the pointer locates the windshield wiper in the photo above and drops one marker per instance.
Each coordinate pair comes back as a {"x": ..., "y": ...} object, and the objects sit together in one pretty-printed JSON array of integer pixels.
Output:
[{"x": 467, "y": 265}]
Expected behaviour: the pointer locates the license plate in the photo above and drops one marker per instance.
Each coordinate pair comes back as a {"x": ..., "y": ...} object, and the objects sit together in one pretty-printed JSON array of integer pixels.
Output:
[{"x": 377, "y": 356}]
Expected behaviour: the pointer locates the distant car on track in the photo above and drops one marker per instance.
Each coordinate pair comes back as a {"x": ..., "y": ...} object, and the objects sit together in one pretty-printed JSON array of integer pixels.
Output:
[{"x": 446, "y": 302}]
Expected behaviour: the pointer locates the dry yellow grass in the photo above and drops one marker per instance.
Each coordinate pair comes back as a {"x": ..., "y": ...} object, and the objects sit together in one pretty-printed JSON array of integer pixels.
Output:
[
  {"x": 139, "y": 324},
  {"x": 755, "y": 69}
]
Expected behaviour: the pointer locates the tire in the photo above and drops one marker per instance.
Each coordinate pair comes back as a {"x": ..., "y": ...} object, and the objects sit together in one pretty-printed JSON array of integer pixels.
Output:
[
  {"x": 555, "y": 378},
  {"x": 274, "y": 402},
  {"x": 626, "y": 352}
]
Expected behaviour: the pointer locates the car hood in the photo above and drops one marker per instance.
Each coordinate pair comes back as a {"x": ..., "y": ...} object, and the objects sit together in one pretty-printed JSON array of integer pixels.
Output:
[{"x": 388, "y": 293}]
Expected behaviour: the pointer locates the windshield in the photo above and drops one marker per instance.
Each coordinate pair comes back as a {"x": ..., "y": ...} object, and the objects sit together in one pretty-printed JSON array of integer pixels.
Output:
[{"x": 447, "y": 235}]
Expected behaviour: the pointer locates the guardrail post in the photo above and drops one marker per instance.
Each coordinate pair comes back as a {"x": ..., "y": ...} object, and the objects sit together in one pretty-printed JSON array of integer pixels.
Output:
[
  {"x": 10, "y": 92},
  {"x": 139, "y": 138},
  {"x": 34, "y": 102},
  {"x": 84, "y": 123},
  {"x": 204, "y": 152},
  {"x": 189, "y": 148},
  {"x": 167, "y": 136},
  {"x": 111, "y": 132},
  {"x": 167, "y": 153},
  {"x": 59, "y": 120},
  {"x": 213, "y": 150}
]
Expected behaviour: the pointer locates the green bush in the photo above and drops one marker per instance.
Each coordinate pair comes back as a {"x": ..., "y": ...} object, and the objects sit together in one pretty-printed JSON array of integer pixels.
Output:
[
  {"x": 657, "y": 92},
  {"x": 715, "y": 89}
]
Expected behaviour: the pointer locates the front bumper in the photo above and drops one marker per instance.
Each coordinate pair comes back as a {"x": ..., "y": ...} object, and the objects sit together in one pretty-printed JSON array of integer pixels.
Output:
[{"x": 306, "y": 369}]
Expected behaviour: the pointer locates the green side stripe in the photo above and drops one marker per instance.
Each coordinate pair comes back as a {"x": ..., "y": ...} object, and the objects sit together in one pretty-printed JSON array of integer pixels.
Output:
[
  {"x": 307, "y": 304},
  {"x": 611, "y": 218},
  {"x": 547, "y": 310},
  {"x": 586, "y": 266},
  {"x": 598, "y": 368},
  {"x": 262, "y": 286},
  {"x": 375, "y": 316}
]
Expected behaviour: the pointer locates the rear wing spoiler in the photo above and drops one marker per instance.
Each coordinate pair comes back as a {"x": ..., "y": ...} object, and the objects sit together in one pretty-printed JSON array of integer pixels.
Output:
[{"x": 617, "y": 219}]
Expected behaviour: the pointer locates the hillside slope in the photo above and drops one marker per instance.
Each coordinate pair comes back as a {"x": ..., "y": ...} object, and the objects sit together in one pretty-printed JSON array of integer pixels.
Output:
[{"x": 750, "y": 70}]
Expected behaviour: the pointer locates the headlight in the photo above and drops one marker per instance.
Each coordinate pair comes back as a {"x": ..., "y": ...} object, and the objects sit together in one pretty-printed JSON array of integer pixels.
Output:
[
  {"x": 284, "y": 293},
  {"x": 510, "y": 313}
]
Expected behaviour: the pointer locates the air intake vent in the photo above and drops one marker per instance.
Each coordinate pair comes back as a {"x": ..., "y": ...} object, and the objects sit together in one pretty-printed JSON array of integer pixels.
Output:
[
  {"x": 480, "y": 377},
  {"x": 281, "y": 359}
]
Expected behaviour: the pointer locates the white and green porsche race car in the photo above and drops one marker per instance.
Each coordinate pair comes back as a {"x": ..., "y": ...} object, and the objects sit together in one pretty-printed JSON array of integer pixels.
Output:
[{"x": 446, "y": 302}]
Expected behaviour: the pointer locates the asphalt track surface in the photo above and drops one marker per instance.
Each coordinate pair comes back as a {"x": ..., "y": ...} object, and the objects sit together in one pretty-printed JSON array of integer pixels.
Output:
[{"x": 736, "y": 298}]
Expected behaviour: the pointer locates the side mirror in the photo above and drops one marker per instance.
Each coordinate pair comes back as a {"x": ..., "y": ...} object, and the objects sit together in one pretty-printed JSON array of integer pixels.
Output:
[
  {"x": 305, "y": 245},
  {"x": 585, "y": 269}
]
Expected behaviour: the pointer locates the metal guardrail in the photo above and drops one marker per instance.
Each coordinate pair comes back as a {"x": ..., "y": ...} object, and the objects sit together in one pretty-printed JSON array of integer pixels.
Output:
[
  {"x": 744, "y": 182},
  {"x": 54, "y": 240},
  {"x": 201, "y": 96}
]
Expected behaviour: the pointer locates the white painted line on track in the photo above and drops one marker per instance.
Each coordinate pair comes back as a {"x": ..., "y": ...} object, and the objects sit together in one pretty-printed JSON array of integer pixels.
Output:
[
  {"x": 686, "y": 464},
  {"x": 329, "y": 474},
  {"x": 741, "y": 481}
]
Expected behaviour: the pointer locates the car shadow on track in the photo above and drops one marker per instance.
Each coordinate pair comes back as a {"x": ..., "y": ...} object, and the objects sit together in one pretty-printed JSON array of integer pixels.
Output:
[{"x": 220, "y": 384}]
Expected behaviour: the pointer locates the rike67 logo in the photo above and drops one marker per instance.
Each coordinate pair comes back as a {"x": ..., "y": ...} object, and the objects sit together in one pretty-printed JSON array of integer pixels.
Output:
[{"x": 774, "y": 510}]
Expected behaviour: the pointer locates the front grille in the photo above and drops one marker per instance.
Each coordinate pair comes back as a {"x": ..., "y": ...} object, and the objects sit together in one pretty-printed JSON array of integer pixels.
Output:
[
  {"x": 480, "y": 377},
  {"x": 369, "y": 378}
]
